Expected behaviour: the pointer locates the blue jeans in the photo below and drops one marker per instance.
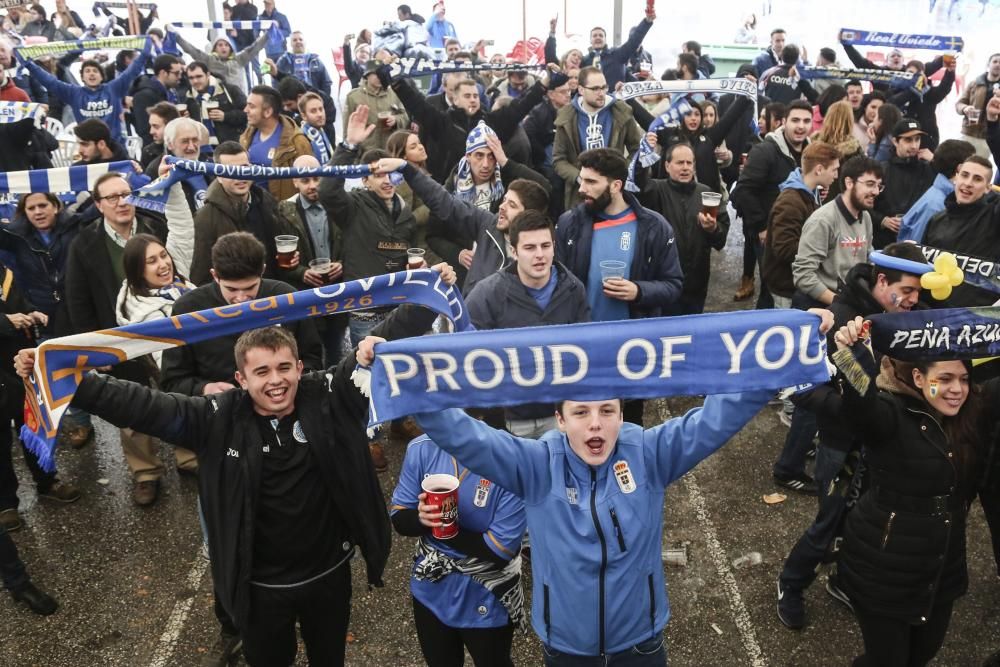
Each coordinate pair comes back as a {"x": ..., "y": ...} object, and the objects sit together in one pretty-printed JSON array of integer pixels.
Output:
[
  {"x": 798, "y": 442},
  {"x": 650, "y": 653},
  {"x": 361, "y": 328},
  {"x": 12, "y": 571},
  {"x": 811, "y": 549}
]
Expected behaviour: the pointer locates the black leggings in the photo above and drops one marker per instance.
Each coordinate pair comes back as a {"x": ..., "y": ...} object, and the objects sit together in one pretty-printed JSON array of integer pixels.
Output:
[
  {"x": 443, "y": 646},
  {"x": 890, "y": 642}
]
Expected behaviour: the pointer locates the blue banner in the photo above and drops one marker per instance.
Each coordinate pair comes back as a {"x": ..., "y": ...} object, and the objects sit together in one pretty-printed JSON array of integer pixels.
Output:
[
  {"x": 948, "y": 333},
  {"x": 61, "y": 363},
  {"x": 692, "y": 355},
  {"x": 900, "y": 40}
]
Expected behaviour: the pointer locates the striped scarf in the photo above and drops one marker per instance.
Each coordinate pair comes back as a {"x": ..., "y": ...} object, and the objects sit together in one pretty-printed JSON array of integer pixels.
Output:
[
  {"x": 504, "y": 583},
  {"x": 225, "y": 25},
  {"x": 80, "y": 178},
  {"x": 12, "y": 112}
]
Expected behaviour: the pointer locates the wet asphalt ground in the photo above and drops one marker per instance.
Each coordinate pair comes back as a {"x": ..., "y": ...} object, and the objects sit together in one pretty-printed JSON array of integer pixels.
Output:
[{"x": 134, "y": 589}]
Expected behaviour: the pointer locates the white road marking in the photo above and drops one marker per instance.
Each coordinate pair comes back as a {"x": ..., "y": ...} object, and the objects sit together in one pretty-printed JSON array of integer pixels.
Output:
[
  {"x": 725, "y": 572},
  {"x": 175, "y": 623}
]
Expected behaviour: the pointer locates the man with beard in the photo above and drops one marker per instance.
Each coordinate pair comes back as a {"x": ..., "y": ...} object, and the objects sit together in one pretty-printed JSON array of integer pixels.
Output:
[
  {"x": 771, "y": 57},
  {"x": 678, "y": 199},
  {"x": 592, "y": 120},
  {"x": 838, "y": 235},
  {"x": 868, "y": 290},
  {"x": 907, "y": 175},
  {"x": 768, "y": 165},
  {"x": 611, "y": 225}
]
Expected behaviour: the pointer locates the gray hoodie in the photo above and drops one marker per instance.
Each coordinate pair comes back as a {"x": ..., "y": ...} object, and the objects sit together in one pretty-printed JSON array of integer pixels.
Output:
[{"x": 831, "y": 243}]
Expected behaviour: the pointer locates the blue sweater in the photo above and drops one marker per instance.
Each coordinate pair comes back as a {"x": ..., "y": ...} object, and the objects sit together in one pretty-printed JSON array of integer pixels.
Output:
[
  {"x": 103, "y": 102},
  {"x": 595, "y": 537}
]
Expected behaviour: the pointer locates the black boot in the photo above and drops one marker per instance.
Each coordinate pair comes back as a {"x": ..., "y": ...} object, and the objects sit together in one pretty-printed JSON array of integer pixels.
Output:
[{"x": 41, "y": 603}]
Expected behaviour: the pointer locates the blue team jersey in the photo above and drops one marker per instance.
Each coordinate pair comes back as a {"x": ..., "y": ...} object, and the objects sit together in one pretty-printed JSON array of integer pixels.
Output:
[
  {"x": 614, "y": 238},
  {"x": 483, "y": 507},
  {"x": 262, "y": 152}
]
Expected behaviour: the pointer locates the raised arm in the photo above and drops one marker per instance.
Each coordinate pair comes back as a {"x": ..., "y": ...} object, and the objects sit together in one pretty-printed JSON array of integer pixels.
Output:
[{"x": 245, "y": 56}]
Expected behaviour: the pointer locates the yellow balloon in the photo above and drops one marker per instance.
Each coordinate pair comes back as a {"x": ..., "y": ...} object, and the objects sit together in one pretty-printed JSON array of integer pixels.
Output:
[
  {"x": 941, "y": 293},
  {"x": 956, "y": 276},
  {"x": 934, "y": 280},
  {"x": 945, "y": 262}
]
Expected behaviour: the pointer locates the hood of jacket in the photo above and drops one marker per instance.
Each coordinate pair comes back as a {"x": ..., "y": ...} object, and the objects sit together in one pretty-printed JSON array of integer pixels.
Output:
[
  {"x": 795, "y": 182},
  {"x": 778, "y": 137},
  {"x": 896, "y": 377}
]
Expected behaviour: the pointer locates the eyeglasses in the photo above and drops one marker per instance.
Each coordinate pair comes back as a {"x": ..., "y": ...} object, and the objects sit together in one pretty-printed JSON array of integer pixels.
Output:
[
  {"x": 872, "y": 185},
  {"x": 596, "y": 89},
  {"x": 114, "y": 199}
]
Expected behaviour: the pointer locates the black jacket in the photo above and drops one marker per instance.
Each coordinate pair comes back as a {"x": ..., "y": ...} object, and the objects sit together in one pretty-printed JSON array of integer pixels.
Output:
[
  {"x": 925, "y": 109},
  {"x": 780, "y": 87},
  {"x": 655, "y": 268},
  {"x": 905, "y": 180},
  {"x": 11, "y": 341},
  {"x": 447, "y": 130},
  {"x": 971, "y": 229},
  {"x": 903, "y": 552},
  {"x": 680, "y": 204},
  {"x": 148, "y": 92},
  {"x": 767, "y": 167},
  {"x": 231, "y": 102},
  {"x": 221, "y": 429},
  {"x": 91, "y": 286},
  {"x": 374, "y": 238},
  {"x": 41, "y": 268},
  {"x": 863, "y": 63},
  {"x": 188, "y": 368},
  {"x": 540, "y": 128}
]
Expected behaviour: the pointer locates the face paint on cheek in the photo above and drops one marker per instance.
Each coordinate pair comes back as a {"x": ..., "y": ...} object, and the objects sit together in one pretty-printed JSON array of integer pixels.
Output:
[
  {"x": 932, "y": 388},
  {"x": 894, "y": 298}
]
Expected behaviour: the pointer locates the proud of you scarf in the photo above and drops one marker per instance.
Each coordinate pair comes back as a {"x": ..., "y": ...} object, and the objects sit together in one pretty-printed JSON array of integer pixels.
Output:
[{"x": 61, "y": 363}]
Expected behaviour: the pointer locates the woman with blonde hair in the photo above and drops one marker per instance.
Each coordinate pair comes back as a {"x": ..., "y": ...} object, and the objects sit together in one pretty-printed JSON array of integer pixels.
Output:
[{"x": 838, "y": 131}]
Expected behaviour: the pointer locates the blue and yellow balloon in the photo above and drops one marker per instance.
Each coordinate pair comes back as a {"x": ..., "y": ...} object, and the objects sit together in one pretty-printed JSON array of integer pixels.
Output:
[{"x": 943, "y": 278}]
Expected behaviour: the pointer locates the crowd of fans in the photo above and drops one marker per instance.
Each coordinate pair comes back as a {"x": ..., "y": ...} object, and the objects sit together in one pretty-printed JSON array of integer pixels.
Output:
[{"x": 514, "y": 183}]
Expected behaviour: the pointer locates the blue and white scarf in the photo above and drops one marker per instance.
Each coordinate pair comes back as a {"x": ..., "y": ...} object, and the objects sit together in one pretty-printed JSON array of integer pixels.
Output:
[
  {"x": 61, "y": 363},
  {"x": 647, "y": 156},
  {"x": 154, "y": 196},
  {"x": 67, "y": 179},
  {"x": 465, "y": 185},
  {"x": 321, "y": 144},
  {"x": 698, "y": 354},
  {"x": 856, "y": 37},
  {"x": 256, "y": 26},
  {"x": 417, "y": 67},
  {"x": 12, "y": 112}
]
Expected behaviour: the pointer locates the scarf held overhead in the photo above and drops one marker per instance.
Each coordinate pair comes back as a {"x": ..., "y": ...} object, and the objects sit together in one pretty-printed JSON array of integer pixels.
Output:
[
  {"x": 60, "y": 363},
  {"x": 914, "y": 81},
  {"x": 67, "y": 179},
  {"x": 154, "y": 196},
  {"x": 699, "y": 354},
  {"x": 900, "y": 40},
  {"x": 99, "y": 44},
  {"x": 415, "y": 67}
]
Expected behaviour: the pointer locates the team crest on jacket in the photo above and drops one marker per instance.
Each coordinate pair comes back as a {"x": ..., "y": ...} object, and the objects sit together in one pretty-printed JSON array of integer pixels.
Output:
[
  {"x": 624, "y": 476},
  {"x": 482, "y": 493},
  {"x": 571, "y": 495},
  {"x": 626, "y": 241},
  {"x": 298, "y": 433}
]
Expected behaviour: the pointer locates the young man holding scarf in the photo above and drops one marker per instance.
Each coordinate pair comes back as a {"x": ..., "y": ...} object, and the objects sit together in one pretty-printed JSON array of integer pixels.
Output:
[
  {"x": 286, "y": 485},
  {"x": 217, "y": 105},
  {"x": 95, "y": 98},
  {"x": 593, "y": 492},
  {"x": 613, "y": 61}
]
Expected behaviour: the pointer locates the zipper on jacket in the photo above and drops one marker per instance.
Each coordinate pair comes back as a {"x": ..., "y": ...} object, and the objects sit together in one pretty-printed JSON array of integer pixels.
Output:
[
  {"x": 604, "y": 558},
  {"x": 545, "y": 612},
  {"x": 652, "y": 605},
  {"x": 618, "y": 530},
  {"x": 888, "y": 530}
]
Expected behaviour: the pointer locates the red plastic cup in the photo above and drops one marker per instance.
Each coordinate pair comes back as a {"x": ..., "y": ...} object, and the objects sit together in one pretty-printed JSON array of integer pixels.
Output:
[{"x": 442, "y": 490}]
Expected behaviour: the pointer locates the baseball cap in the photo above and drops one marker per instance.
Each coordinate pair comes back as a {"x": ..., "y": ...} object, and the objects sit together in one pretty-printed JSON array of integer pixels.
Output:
[{"x": 906, "y": 127}]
